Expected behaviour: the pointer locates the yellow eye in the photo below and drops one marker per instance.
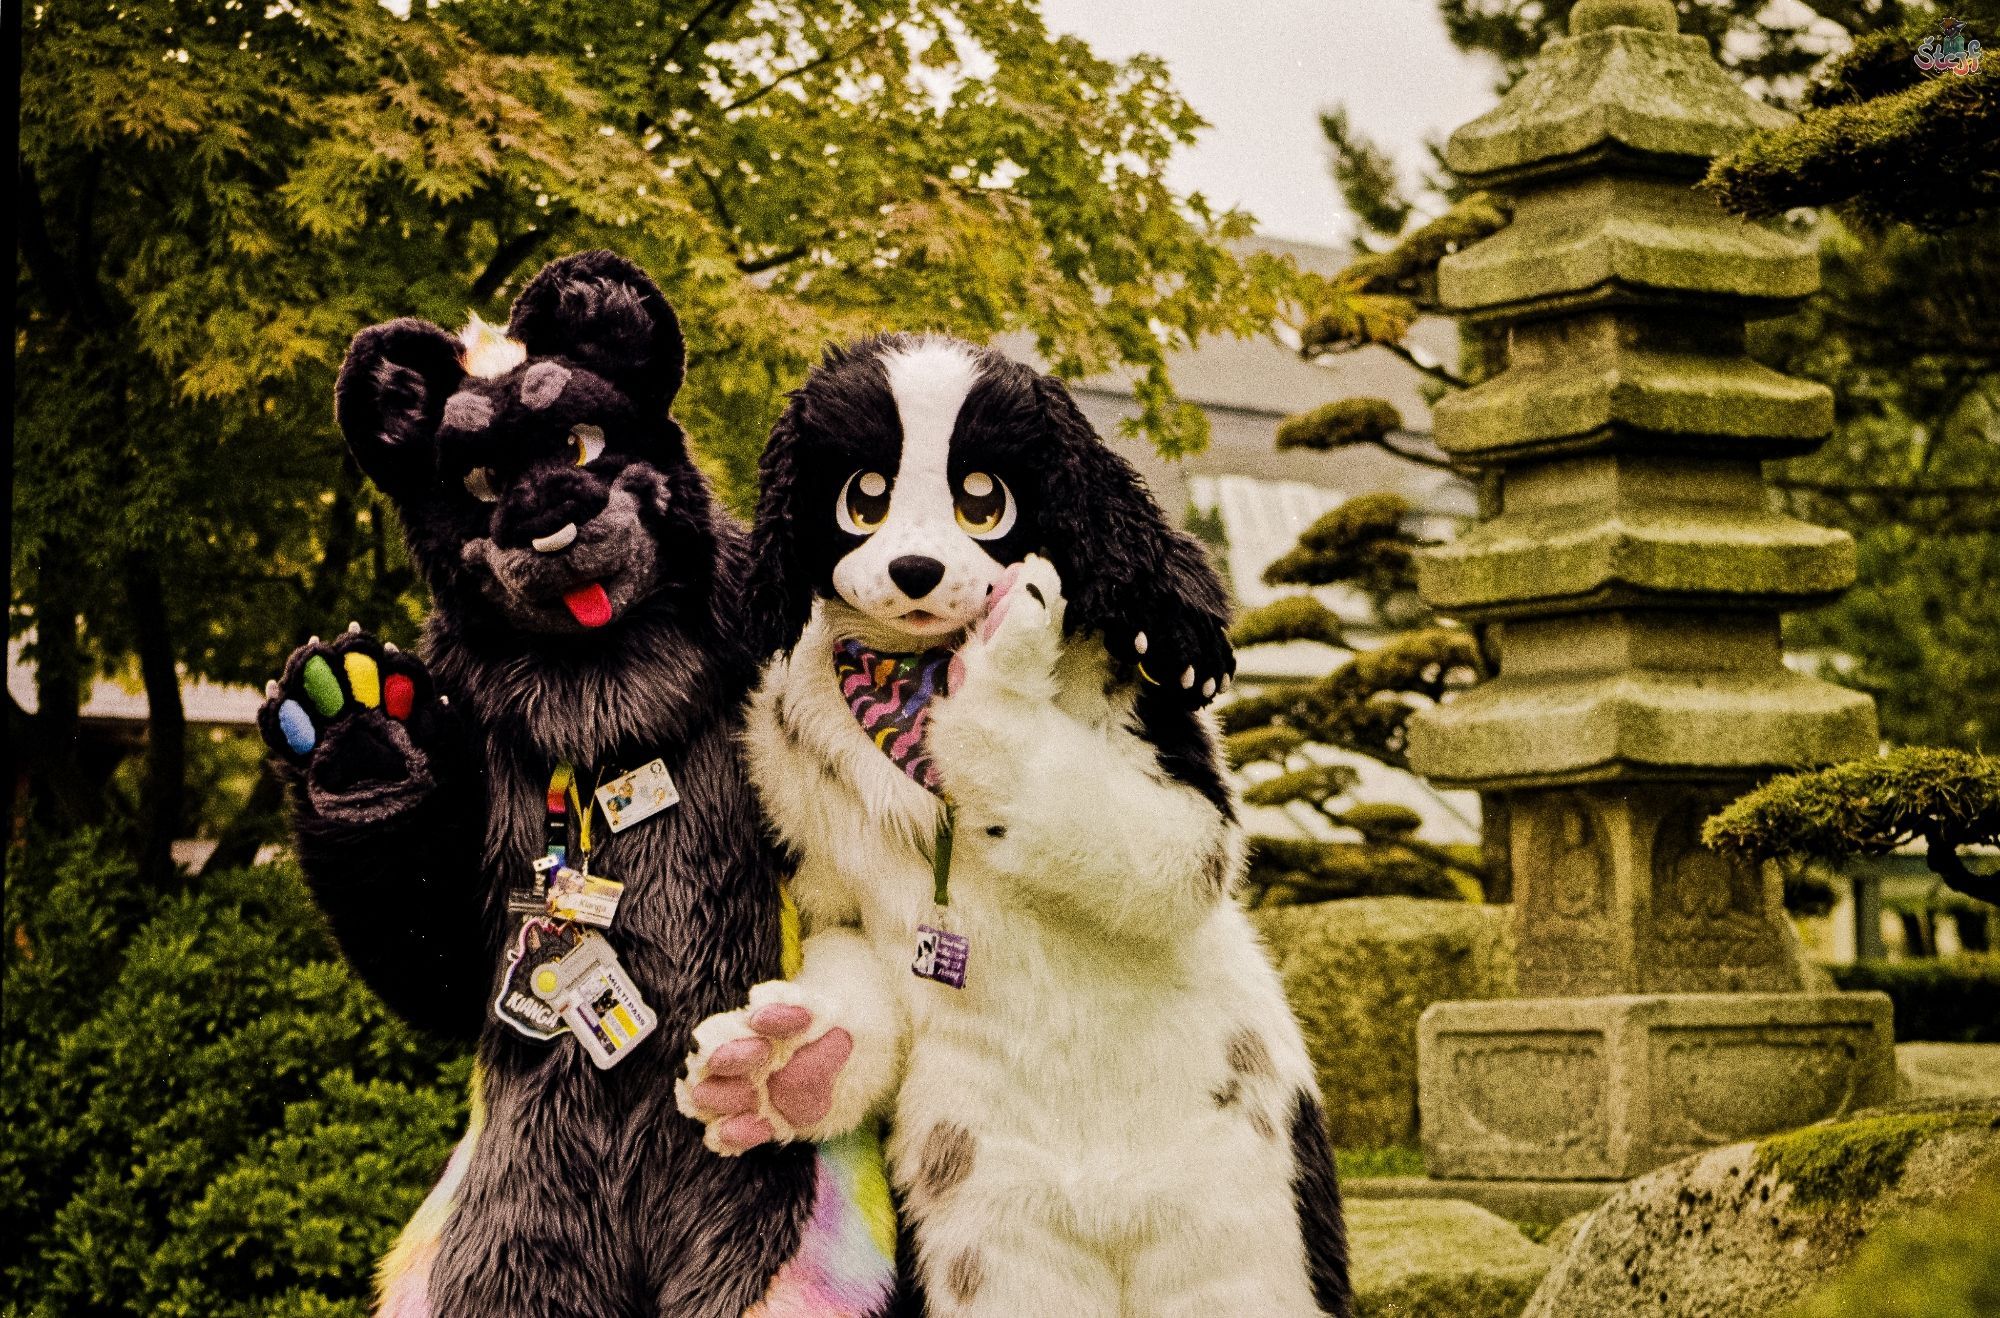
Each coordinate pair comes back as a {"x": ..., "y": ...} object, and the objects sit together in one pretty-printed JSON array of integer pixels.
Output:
[
  {"x": 984, "y": 505},
  {"x": 479, "y": 483},
  {"x": 863, "y": 504},
  {"x": 586, "y": 445}
]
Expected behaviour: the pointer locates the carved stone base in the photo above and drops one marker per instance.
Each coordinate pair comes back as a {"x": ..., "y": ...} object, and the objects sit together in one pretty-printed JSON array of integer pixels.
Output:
[{"x": 1608, "y": 1088}]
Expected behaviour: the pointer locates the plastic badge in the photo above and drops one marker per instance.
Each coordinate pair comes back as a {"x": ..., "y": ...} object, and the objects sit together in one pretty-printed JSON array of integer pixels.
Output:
[
  {"x": 586, "y": 898},
  {"x": 638, "y": 795},
  {"x": 941, "y": 956},
  {"x": 597, "y": 1000},
  {"x": 538, "y": 942}
]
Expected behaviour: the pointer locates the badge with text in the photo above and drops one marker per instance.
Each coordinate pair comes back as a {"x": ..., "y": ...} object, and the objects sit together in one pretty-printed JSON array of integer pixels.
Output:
[
  {"x": 538, "y": 943},
  {"x": 586, "y": 898},
  {"x": 597, "y": 999},
  {"x": 940, "y": 956},
  {"x": 637, "y": 796}
]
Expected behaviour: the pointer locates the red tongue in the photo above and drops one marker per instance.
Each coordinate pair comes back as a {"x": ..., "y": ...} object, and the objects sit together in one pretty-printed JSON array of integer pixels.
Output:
[{"x": 589, "y": 605}]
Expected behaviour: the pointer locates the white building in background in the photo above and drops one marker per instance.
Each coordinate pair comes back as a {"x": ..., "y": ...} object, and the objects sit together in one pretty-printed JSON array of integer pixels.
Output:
[{"x": 1266, "y": 498}]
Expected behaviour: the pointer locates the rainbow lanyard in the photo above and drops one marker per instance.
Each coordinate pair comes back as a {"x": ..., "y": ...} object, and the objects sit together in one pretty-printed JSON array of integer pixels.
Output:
[{"x": 559, "y": 802}]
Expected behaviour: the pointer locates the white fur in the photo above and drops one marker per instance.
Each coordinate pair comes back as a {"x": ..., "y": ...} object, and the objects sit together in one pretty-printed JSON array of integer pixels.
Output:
[
  {"x": 1107, "y": 978},
  {"x": 929, "y": 382}
]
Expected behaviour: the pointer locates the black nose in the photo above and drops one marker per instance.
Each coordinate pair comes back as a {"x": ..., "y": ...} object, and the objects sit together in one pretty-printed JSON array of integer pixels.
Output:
[
  {"x": 915, "y": 575},
  {"x": 544, "y": 501}
]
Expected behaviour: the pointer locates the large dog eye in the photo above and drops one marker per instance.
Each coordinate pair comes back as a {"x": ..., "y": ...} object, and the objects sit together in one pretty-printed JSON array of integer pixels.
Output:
[
  {"x": 864, "y": 503},
  {"x": 480, "y": 484},
  {"x": 985, "y": 506},
  {"x": 586, "y": 445}
]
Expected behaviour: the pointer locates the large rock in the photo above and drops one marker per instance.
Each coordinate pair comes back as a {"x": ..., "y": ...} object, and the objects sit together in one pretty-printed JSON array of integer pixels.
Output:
[
  {"x": 1359, "y": 973},
  {"x": 1949, "y": 1070},
  {"x": 1419, "y": 1258},
  {"x": 1744, "y": 1230}
]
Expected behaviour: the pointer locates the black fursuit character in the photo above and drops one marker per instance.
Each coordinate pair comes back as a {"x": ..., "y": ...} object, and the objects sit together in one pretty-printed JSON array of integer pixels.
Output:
[{"x": 586, "y": 609}]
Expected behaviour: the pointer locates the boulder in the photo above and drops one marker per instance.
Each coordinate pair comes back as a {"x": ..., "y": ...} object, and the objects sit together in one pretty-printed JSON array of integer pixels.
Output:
[
  {"x": 1359, "y": 973},
  {"x": 1416, "y": 1258},
  {"x": 1747, "y": 1229}
]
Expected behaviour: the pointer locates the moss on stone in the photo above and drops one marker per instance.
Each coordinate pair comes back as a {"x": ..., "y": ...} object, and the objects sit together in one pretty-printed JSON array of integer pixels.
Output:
[{"x": 1849, "y": 1161}]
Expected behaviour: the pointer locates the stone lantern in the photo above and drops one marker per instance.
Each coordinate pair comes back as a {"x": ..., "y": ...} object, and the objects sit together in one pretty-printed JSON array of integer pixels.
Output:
[{"x": 1633, "y": 574}]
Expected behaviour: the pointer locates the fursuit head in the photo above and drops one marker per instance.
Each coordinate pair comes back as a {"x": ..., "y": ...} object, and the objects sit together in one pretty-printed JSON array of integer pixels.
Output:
[
  {"x": 585, "y": 622},
  {"x": 984, "y": 745}
]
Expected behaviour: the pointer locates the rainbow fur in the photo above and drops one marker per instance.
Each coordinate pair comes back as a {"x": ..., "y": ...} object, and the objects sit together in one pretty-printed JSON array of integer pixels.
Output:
[
  {"x": 846, "y": 1263},
  {"x": 403, "y": 1282}
]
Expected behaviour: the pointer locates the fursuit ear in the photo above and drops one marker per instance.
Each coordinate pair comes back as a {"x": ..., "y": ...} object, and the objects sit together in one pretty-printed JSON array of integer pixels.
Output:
[
  {"x": 1102, "y": 530},
  {"x": 603, "y": 312},
  {"x": 777, "y": 594},
  {"x": 389, "y": 397}
]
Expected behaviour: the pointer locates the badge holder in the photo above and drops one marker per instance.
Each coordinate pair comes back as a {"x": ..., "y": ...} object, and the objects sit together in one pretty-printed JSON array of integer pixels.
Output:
[{"x": 942, "y": 954}]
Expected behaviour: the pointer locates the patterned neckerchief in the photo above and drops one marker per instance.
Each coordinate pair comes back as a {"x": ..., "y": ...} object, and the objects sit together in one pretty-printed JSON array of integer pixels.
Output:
[{"x": 891, "y": 696}]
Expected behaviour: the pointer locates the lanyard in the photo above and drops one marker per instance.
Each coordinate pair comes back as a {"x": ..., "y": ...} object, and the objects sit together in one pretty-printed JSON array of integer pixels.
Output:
[
  {"x": 941, "y": 855},
  {"x": 531, "y": 891}
]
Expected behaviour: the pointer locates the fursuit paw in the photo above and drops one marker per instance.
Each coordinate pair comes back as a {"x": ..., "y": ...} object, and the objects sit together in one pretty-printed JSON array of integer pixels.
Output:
[
  {"x": 764, "y": 1073},
  {"x": 358, "y": 723},
  {"x": 1018, "y": 641},
  {"x": 1180, "y": 654}
]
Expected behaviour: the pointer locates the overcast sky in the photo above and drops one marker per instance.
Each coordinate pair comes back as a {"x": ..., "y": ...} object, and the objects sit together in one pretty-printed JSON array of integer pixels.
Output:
[{"x": 1259, "y": 71}]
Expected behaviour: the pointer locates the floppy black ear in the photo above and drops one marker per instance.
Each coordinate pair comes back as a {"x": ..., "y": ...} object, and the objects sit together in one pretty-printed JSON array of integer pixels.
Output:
[
  {"x": 1106, "y": 536},
  {"x": 778, "y": 594},
  {"x": 390, "y": 394},
  {"x": 603, "y": 312}
]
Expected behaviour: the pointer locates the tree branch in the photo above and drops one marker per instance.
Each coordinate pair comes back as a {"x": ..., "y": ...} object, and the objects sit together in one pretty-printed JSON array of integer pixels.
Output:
[
  {"x": 831, "y": 57},
  {"x": 771, "y": 262},
  {"x": 1434, "y": 371},
  {"x": 1941, "y": 855},
  {"x": 505, "y": 261}
]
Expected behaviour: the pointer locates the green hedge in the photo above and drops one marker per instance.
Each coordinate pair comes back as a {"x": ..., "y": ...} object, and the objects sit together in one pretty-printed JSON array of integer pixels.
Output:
[
  {"x": 1943, "y": 1000},
  {"x": 201, "y": 1111}
]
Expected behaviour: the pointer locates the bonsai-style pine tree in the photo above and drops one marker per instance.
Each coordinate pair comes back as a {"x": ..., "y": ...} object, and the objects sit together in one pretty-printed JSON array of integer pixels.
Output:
[{"x": 1948, "y": 800}]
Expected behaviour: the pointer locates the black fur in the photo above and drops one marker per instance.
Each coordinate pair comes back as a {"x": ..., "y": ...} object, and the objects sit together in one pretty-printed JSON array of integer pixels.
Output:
[
  {"x": 1125, "y": 568},
  {"x": 1316, "y": 1187},
  {"x": 588, "y": 1194}
]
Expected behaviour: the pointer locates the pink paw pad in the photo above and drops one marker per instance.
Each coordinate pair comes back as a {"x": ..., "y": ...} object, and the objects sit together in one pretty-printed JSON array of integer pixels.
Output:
[
  {"x": 802, "y": 1090},
  {"x": 726, "y": 1096},
  {"x": 780, "y": 1020},
  {"x": 740, "y": 1133},
  {"x": 739, "y": 1057}
]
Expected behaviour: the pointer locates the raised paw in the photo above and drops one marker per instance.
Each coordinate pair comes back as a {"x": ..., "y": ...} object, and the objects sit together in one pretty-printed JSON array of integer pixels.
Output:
[
  {"x": 763, "y": 1073},
  {"x": 1179, "y": 654},
  {"x": 358, "y": 721},
  {"x": 1020, "y": 636}
]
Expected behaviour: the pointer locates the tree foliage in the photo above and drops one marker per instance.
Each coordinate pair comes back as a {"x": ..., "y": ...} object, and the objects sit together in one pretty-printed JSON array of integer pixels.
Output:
[
  {"x": 215, "y": 195},
  {"x": 1946, "y": 799},
  {"x": 1880, "y": 138},
  {"x": 201, "y": 1111}
]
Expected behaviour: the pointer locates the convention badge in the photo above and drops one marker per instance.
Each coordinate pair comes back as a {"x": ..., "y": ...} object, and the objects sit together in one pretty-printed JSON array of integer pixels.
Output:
[
  {"x": 584, "y": 897},
  {"x": 638, "y": 795},
  {"x": 538, "y": 942},
  {"x": 597, "y": 1000},
  {"x": 941, "y": 955}
]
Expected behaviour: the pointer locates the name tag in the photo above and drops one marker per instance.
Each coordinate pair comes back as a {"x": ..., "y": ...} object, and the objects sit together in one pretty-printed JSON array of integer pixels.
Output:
[{"x": 637, "y": 796}]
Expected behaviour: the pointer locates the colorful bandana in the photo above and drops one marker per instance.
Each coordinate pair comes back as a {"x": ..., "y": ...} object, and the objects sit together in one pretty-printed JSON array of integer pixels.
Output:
[{"x": 891, "y": 696}]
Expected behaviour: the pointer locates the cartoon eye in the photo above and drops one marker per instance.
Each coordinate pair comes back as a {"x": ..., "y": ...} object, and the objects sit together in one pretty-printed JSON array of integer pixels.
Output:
[
  {"x": 479, "y": 482},
  {"x": 863, "y": 504},
  {"x": 985, "y": 506},
  {"x": 586, "y": 445}
]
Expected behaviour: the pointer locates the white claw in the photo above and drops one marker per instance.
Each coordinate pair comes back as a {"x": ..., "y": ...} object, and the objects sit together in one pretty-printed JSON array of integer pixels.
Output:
[
  {"x": 312, "y": 640},
  {"x": 1187, "y": 678},
  {"x": 1139, "y": 643},
  {"x": 388, "y": 647},
  {"x": 444, "y": 700},
  {"x": 354, "y": 629},
  {"x": 272, "y": 690},
  {"x": 1228, "y": 681},
  {"x": 1208, "y": 687}
]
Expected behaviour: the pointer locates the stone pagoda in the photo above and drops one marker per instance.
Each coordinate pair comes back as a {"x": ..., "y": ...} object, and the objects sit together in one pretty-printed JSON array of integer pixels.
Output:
[{"x": 1633, "y": 575}]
